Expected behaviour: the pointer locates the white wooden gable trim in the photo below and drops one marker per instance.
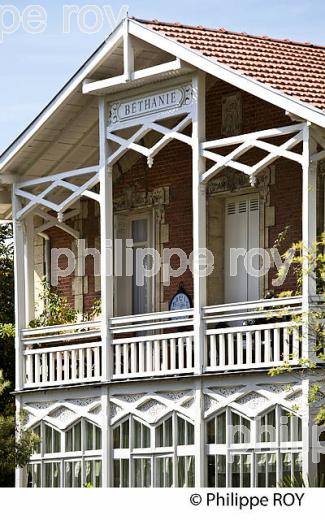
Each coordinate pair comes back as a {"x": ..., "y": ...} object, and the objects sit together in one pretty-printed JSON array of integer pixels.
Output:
[{"x": 194, "y": 58}]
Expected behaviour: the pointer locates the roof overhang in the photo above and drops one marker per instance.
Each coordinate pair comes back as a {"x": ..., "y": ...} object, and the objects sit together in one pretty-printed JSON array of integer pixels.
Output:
[{"x": 180, "y": 52}]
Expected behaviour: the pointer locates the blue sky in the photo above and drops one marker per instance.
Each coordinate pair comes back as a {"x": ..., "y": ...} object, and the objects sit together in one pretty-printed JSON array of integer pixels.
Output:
[{"x": 33, "y": 67}]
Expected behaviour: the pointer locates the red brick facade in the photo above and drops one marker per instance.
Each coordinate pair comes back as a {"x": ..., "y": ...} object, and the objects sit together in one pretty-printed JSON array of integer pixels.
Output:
[{"x": 172, "y": 167}]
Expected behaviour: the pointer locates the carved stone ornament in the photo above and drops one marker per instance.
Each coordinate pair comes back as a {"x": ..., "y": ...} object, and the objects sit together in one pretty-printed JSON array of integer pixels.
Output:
[
  {"x": 133, "y": 197},
  {"x": 232, "y": 115},
  {"x": 232, "y": 180}
]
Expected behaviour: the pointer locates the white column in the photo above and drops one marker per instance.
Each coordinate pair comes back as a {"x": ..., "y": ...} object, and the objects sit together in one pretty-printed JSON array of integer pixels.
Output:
[
  {"x": 199, "y": 241},
  {"x": 309, "y": 233},
  {"x": 106, "y": 239},
  {"x": 19, "y": 268},
  {"x": 29, "y": 268}
]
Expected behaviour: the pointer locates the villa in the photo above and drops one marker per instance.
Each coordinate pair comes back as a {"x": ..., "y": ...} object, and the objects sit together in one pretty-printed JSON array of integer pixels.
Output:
[{"x": 170, "y": 138}]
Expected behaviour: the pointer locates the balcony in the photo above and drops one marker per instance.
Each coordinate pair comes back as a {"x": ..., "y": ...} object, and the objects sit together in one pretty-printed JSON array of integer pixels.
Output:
[{"x": 248, "y": 335}]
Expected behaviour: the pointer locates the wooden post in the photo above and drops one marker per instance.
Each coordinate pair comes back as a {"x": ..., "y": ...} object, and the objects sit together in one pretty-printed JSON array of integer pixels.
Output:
[
  {"x": 29, "y": 269},
  {"x": 309, "y": 236},
  {"x": 106, "y": 239},
  {"x": 199, "y": 241},
  {"x": 20, "y": 291}
]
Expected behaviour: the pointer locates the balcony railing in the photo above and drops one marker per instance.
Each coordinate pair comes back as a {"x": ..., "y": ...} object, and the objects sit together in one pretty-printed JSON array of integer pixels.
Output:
[{"x": 241, "y": 336}]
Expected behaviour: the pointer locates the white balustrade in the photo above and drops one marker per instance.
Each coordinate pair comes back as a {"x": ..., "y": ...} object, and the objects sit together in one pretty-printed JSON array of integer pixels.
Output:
[{"x": 237, "y": 337}]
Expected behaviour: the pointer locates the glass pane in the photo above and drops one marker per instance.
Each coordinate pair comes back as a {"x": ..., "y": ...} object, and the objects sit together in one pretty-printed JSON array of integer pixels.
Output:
[
  {"x": 56, "y": 441},
  {"x": 235, "y": 471},
  {"x": 48, "y": 475},
  {"x": 125, "y": 434},
  {"x": 77, "y": 437},
  {"x": 245, "y": 430},
  {"x": 211, "y": 432},
  {"x": 190, "y": 471},
  {"x": 98, "y": 473},
  {"x": 284, "y": 426},
  {"x": 246, "y": 463},
  {"x": 137, "y": 434},
  {"x": 125, "y": 472},
  {"x": 271, "y": 470},
  {"x": 261, "y": 469},
  {"x": 169, "y": 432},
  {"x": 68, "y": 440},
  {"x": 98, "y": 438},
  {"x": 147, "y": 472},
  {"x": 116, "y": 472},
  {"x": 221, "y": 429},
  {"x": 48, "y": 439},
  {"x": 116, "y": 437},
  {"x": 77, "y": 473},
  {"x": 146, "y": 437},
  {"x": 235, "y": 428},
  {"x": 181, "y": 471},
  {"x": 139, "y": 230},
  {"x": 211, "y": 471},
  {"x": 56, "y": 474},
  {"x": 160, "y": 436},
  {"x": 137, "y": 473},
  {"x": 297, "y": 466},
  {"x": 160, "y": 472},
  {"x": 221, "y": 476},
  {"x": 181, "y": 431},
  {"x": 286, "y": 466},
  {"x": 169, "y": 472},
  {"x": 37, "y": 432},
  {"x": 190, "y": 433},
  {"x": 90, "y": 436},
  {"x": 68, "y": 475}
]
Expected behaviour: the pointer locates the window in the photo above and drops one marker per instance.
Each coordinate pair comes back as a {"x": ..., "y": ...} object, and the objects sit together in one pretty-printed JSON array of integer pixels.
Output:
[
  {"x": 164, "y": 472},
  {"x": 185, "y": 432},
  {"x": 37, "y": 431},
  {"x": 141, "y": 435},
  {"x": 266, "y": 469},
  {"x": 279, "y": 419},
  {"x": 121, "y": 472},
  {"x": 121, "y": 435},
  {"x": 73, "y": 438},
  {"x": 241, "y": 469},
  {"x": 290, "y": 427},
  {"x": 94, "y": 472},
  {"x": 93, "y": 437},
  {"x": 217, "y": 471},
  {"x": 142, "y": 472},
  {"x": 240, "y": 432},
  {"x": 72, "y": 473},
  {"x": 52, "y": 472},
  {"x": 52, "y": 463},
  {"x": 164, "y": 433},
  {"x": 52, "y": 440},
  {"x": 216, "y": 429},
  {"x": 291, "y": 465},
  {"x": 185, "y": 471},
  {"x": 261, "y": 452},
  {"x": 158, "y": 456},
  {"x": 268, "y": 427},
  {"x": 34, "y": 475}
]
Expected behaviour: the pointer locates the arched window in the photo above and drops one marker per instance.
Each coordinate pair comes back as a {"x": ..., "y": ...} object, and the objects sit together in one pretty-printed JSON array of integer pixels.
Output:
[
  {"x": 83, "y": 435},
  {"x": 279, "y": 425},
  {"x": 52, "y": 440},
  {"x": 140, "y": 464}
]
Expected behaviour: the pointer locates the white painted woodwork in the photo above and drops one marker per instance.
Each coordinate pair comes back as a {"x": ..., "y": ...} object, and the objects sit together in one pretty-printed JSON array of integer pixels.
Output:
[{"x": 241, "y": 232}]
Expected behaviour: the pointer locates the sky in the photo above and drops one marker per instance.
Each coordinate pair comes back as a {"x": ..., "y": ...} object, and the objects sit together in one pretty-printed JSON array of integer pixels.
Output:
[{"x": 34, "y": 65}]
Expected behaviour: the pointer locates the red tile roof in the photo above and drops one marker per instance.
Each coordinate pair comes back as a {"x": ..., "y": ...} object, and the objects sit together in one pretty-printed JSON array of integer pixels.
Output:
[{"x": 295, "y": 68}]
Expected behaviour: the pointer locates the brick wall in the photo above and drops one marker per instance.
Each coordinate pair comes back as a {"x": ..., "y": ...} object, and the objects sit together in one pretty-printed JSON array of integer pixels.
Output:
[{"x": 172, "y": 167}]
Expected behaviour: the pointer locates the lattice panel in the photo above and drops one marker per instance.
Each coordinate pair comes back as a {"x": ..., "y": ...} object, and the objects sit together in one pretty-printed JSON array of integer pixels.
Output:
[{"x": 292, "y": 136}]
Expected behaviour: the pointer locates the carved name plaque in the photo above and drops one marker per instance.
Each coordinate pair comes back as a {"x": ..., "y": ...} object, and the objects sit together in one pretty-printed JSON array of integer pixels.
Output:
[{"x": 165, "y": 103}]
